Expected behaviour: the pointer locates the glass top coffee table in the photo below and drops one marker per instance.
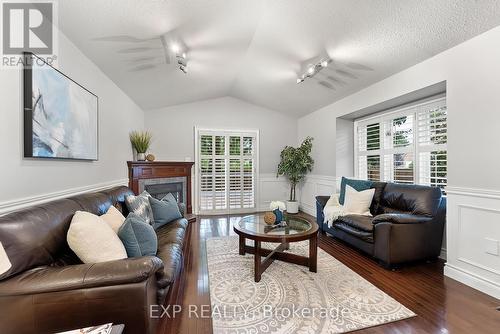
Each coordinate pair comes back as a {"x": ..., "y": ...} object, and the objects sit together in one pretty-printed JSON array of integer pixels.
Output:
[{"x": 296, "y": 229}]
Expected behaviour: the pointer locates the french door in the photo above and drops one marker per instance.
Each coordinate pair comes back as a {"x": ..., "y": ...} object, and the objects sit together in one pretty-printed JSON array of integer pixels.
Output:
[{"x": 226, "y": 171}]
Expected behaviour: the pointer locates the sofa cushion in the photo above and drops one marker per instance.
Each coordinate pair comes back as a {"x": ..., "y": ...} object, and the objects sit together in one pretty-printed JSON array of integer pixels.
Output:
[
  {"x": 138, "y": 237},
  {"x": 164, "y": 211},
  {"x": 359, "y": 185},
  {"x": 93, "y": 240},
  {"x": 411, "y": 199},
  {"x": 171, "y": 255},
  {"x": 171, "y": 234},
  {"x": 140, "y": 206},
  {"x": 363, "y": 235},
  {"x": 360, "y": 222}
]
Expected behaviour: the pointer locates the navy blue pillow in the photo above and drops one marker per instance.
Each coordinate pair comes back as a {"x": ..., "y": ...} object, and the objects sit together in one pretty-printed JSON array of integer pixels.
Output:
[
  {"x": 164, "y": 211},
  {"x": 359, "y": 185},
  {"x": 138, "y": 237}
]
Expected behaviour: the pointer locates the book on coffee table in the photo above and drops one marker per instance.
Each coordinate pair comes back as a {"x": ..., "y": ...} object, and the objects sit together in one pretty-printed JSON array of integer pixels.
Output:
[{"x": 101, "y": 329}]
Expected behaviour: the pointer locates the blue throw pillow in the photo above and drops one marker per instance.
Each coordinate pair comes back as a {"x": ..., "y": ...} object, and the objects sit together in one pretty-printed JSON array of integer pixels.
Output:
[
  {"x": 138, "y": 237},
  {"x": 359, "y": 185},
  {"x": 164, "y": 211}
]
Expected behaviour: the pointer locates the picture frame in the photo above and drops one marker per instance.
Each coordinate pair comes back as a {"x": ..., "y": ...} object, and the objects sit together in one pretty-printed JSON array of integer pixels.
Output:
[{"x": 61, "y": 117}]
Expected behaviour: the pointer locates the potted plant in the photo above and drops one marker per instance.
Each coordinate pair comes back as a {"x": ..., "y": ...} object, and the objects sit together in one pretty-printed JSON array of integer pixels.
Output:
[
  {"x": 140, "y": 141},
  {"x": 295, "y": 163}
]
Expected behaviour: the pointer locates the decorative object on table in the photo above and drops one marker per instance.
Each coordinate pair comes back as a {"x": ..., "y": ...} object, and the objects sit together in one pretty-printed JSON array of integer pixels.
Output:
[
  {"x": 295, "y": 163},
  {"x": 60, "y": 115},
  {"x": 140, "y": 141},
  {"x": 269, "y": 218},
  {"x": 150, "y": 157},
  {"x": 278, "y": 207}
]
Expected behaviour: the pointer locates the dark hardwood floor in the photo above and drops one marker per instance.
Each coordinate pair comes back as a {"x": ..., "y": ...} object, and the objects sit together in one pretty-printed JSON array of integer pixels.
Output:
[{"x": 442, "y": 305}]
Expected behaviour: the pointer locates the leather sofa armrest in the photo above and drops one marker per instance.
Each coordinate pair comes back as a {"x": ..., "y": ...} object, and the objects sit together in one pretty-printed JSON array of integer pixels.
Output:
[
  {"x": 182, "y": 209},
  {"x": 400, "y": 218},
  {"x": 321, "y": 200},
  {"x": 81, "y": 276},
  {"x": 320, "y": 217}
]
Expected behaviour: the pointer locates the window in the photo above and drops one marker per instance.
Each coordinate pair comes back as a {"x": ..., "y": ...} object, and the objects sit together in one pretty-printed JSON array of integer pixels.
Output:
[
  {"x": 226, "y": 171},
  {"x": 404, "y": 146}
]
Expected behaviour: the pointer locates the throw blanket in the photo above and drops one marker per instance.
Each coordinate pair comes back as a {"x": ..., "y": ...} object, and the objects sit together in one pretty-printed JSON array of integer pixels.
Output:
[{"x": 333, "y": 210}]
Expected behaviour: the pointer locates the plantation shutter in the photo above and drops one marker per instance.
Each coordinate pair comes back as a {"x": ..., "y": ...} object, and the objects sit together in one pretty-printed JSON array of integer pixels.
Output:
[
  {"x": 404, "y": 146},
  {"x": 227, "y": 173},
  {"x": 432, "y": 144}
]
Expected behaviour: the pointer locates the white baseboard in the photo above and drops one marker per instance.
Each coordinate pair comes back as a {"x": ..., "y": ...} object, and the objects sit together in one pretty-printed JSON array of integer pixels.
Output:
[
  {"x": 17, "y": 204},
  {"x": 475, "y": 281}
]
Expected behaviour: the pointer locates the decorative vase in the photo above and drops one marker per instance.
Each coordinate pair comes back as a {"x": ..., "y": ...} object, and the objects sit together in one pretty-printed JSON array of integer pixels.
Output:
[
  {"x": 141, "y": 156},
  {"x": 292, "y": 206},
  {"x": 279, "y": 215}
]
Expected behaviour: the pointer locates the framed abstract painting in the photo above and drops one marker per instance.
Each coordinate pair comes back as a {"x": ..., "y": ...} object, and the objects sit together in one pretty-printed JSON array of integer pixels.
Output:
[{"x": 60, "y": 115}]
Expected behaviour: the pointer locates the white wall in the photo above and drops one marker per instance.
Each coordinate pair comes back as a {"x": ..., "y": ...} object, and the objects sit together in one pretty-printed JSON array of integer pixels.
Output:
[
  {"x": 472, "y": 73},
  {"x": 26, "y": 181},
  {"x": 344, "y": 145},
  {"x": 173, "y": 133}
]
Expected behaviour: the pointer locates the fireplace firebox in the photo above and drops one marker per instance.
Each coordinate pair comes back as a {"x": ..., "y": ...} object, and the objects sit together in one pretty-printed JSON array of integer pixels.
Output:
[{"x": 162, "y": 177}]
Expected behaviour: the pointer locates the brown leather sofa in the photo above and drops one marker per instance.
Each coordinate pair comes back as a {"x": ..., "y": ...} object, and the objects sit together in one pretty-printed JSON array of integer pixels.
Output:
[
  {"x": 407, "y": 224},
  {"x": 48, "y": 289}
]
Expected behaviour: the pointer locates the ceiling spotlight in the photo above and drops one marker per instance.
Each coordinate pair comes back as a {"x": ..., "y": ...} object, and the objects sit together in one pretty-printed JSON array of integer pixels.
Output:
[
  {"x": 299, "y": 80},
  {"x": 184, "y": 55},
  {"x": 175, "y": 48},
  {"x": 324, "y": 63},
  {"x": 310, "y": 70},
  {"x": 183, "y": 68}
]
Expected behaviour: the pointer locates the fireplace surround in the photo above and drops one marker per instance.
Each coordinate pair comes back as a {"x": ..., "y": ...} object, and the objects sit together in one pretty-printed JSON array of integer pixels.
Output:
[{"x": 162, "y": 177}]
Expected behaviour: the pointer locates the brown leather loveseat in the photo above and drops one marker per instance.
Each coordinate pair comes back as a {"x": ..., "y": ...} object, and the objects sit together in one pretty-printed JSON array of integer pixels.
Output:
[
  {"x": 407, "y": 223},
  {"x": 48, "y": 289}
]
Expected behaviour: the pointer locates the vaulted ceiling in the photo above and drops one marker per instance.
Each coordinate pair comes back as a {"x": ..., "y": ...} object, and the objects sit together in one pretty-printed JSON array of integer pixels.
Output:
[{"x": 253, "y": 49}]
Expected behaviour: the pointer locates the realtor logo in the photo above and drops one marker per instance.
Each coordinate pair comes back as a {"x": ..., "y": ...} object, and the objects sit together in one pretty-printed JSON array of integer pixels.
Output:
[{"x": 27, "y": 26}]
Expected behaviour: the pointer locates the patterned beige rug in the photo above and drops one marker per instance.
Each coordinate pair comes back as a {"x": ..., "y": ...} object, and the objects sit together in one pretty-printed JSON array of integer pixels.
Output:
[{"x": 289, "y": 298}]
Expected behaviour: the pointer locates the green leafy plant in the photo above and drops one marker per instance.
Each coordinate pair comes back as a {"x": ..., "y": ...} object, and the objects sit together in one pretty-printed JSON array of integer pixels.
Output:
[
  {"x": 140, "y": 140},
  {"x": 295, "y": 163}
]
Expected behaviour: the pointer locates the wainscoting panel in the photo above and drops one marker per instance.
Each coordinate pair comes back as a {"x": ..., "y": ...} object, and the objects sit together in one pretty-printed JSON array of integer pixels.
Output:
[
  {"x": 272, "y": 188},
  {"x": 316, "y": 185},
  {"x": 473, "y": 238},
  {"x": 18, "y": 204}
]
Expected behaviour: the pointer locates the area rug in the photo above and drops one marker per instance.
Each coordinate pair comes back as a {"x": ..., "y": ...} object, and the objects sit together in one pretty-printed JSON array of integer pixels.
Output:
[{"x": 289, "y": 298}]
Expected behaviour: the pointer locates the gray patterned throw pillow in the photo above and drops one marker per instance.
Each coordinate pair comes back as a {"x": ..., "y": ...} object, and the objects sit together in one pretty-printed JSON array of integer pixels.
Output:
[{"x": 140, "y": 206}]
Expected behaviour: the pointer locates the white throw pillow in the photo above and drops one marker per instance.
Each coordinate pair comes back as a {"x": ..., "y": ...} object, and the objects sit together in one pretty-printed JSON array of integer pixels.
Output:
[
  {"x": 93, "y": 240},
  {"x": 114, "y": 218},
  {"x": 358, "y": 202},
  {"x": 333, "y": 200}
]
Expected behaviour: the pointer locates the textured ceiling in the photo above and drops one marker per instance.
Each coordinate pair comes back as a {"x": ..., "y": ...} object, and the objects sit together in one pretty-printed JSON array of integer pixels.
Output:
[{"x": 253, "y": 49}]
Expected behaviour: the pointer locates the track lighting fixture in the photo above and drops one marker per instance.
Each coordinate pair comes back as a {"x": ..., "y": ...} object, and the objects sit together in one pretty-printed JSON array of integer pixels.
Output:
[{"x": 312, "y": 68}]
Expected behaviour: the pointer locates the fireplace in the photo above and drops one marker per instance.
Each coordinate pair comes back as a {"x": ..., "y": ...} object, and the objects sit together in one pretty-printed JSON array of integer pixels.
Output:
[
  {"x": 159, "y": 188},
  {"x": 162, "y": 177}
]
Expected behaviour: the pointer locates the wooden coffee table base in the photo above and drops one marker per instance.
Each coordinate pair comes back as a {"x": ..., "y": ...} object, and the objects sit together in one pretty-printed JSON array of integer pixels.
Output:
[{"x": 279, "y": 254}]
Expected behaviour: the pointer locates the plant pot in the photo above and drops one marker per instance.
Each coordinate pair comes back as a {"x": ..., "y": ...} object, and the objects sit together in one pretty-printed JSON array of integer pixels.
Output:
[
  {"x": 141, "y": 156},
  {"x": 292, "y": 206}
]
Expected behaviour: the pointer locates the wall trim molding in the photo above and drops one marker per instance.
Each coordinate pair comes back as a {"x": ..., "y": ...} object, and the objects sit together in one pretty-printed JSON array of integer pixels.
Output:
[
  {"x": 475, "y": 192},
  {"x": 21, "y": 203},
  {"x": 473, "y": 280}
]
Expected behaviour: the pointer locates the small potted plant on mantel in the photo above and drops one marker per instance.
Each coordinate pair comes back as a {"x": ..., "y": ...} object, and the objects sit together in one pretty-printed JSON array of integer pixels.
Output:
[
  {"x": 295, "y": 163},
  {"x": 140, "y": 141}
]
